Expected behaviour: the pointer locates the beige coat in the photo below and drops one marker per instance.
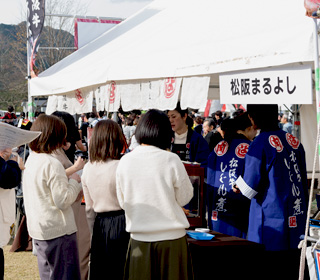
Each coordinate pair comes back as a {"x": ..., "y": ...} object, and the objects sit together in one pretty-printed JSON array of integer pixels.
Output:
[{"x": 7, "y": 214}]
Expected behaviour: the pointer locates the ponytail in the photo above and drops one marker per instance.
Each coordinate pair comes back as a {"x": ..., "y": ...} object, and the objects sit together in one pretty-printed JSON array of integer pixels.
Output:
[{"x": 228, "y": 126}]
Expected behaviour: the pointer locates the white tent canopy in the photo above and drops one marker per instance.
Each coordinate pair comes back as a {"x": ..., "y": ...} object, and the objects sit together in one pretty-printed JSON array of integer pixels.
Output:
[
  {"x": 194, "y": 41},
  {"x": 184, "y": 39}
]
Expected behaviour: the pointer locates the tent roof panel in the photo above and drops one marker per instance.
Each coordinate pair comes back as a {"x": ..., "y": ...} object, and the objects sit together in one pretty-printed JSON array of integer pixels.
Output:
[{"x": 187, "y": 38}]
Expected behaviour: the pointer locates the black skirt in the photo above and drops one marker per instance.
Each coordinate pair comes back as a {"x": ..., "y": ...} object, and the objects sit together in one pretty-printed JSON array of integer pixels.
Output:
[{"x": 109, "y": 246}]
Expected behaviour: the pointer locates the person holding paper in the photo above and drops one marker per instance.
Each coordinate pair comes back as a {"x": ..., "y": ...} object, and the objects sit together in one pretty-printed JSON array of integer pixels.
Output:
[
  {"x": 10, "y": 177},
  {"x": 48, "y": 196},
  {"x": 229, "y": 212},
  {"x": 10, "y": 173}
]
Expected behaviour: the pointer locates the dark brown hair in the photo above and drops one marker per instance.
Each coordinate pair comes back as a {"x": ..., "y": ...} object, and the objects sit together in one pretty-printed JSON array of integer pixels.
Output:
[
  {"x": 53, "y": 134},
  {"x": 198, "y": 120},
  {"x": 107, "y": 141}
]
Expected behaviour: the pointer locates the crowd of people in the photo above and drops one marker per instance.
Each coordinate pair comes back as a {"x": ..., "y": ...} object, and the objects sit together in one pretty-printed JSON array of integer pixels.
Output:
[{"x": 120, "y": 207}]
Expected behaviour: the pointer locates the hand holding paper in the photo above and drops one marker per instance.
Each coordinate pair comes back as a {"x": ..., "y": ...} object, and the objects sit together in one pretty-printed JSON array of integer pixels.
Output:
[{"x": 5, "y": 154}]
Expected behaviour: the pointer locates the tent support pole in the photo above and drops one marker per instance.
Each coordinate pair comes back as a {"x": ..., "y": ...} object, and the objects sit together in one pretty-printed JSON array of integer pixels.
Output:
[
  {"x": 316, "y": 65},
  {"x": 316, "y": 154},
  {"x": 29, "y": 103}
]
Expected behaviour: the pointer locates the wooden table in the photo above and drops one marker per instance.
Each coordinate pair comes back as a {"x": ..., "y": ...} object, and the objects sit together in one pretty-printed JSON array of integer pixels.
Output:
[{"x": 226, "y": 257}]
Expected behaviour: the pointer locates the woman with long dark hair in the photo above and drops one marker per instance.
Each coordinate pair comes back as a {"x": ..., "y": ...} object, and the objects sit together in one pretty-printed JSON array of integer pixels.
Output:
[
  {"x": 73, "y": 135},
  {"x": 229, "y": 212}
]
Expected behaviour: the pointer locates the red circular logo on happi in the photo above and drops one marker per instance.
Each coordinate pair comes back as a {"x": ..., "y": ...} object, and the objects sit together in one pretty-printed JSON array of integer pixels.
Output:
[
  {"x": 221, "y": 148},
  {"x": 275, "y": 142},
  {"x": 112, "y": 92},
  {"x": 292, "y": 141},
  {"x": 241, "y": 150},
  {"x": 188, "y": 145},
  {"x": 78, "y": 95},
  {"x": 169, "y": 87}
]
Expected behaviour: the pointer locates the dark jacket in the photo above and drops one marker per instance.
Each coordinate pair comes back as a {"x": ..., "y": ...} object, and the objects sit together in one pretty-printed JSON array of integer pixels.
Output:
[
  {"x": 213, "y": 138},
  {"x": 10, "y": 174},
  {"x": 199, "y": 149}
]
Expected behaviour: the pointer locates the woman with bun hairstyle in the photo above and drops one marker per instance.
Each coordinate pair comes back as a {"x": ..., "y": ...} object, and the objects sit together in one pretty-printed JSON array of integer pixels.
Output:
[
  {"x": 228, "y": 212},
  {"x": 187, "y": 143}
]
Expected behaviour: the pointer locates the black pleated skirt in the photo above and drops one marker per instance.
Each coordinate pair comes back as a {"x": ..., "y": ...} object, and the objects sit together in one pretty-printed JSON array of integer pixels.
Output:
[{"x": 109, "y": 246}]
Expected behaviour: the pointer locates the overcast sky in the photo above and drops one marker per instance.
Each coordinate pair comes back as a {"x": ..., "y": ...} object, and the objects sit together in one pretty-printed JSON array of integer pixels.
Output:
[{"x": 13, "y": 11}]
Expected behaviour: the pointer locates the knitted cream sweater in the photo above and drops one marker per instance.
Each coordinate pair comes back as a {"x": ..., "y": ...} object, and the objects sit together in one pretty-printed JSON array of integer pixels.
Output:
[
  {"x": 99, "y": 188},
  {"x": 152, "y": 186},
  {"x": 48, "y": 195}
]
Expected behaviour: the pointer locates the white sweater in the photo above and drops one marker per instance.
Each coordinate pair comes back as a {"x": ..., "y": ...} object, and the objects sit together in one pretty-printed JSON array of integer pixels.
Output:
[
  {"x": 48, "y": 195},
  {"x": 99, "y": 188},
  {"x": 152, "y": 186}
]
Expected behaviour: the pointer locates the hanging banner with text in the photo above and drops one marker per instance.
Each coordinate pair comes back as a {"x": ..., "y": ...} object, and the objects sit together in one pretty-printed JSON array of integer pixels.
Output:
[
  {"x": 36, "y": 16},
  {"x": 271, "y": 86}
]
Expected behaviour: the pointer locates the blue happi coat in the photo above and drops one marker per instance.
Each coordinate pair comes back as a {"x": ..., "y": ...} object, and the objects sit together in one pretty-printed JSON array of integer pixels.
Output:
[
  {"x": 228, "y": 211},
  {"x": 275, "y": 179}
]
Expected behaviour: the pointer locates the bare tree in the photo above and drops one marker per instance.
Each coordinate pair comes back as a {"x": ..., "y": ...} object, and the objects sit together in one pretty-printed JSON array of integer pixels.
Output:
[
  {"x": 56, "y": 36},
  {"x": 57, "y": 41}
]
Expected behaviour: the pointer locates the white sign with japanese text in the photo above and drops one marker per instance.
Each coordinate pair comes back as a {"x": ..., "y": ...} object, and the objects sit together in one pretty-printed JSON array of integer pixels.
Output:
[{"x": 271, "y": 86}]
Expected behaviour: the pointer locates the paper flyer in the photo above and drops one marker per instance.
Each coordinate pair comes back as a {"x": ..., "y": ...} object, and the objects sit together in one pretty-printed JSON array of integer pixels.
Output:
[{"x": 11, "y": 136}]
